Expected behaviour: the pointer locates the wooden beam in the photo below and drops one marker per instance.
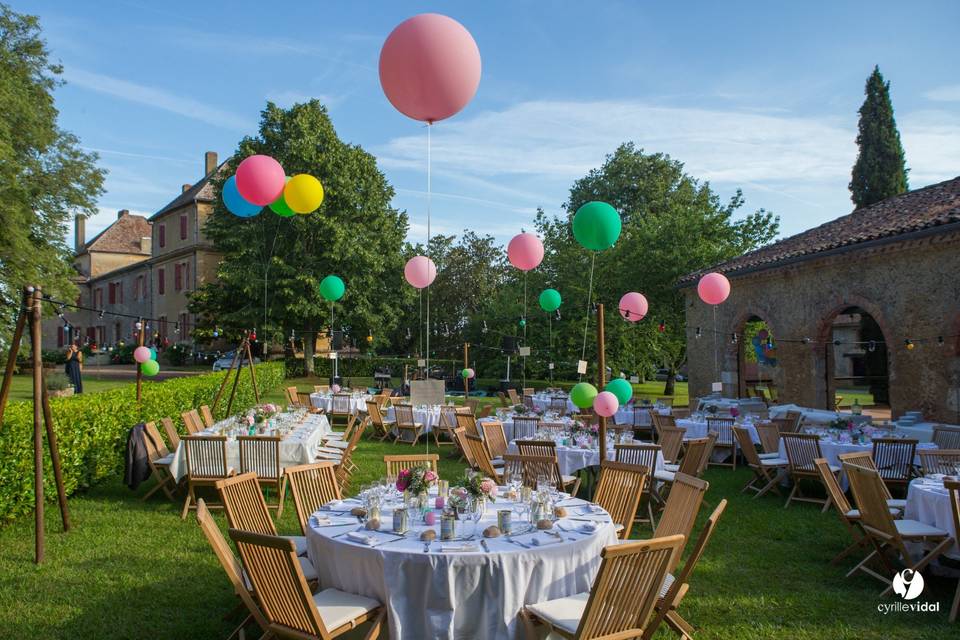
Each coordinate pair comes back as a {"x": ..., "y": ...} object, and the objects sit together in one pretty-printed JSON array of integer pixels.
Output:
[
  {"x": 14, "y": 350},
  {"x": 466, "y": 365},
  {"x": 223, "y": 384},
  {"x": 55, "y": 459},
  {"x": 140, "y": 333},
  {"x": 35, "y": 346}
]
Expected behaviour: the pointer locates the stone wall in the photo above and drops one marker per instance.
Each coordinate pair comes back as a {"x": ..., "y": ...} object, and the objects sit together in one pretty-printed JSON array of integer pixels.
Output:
[{"x": 910, "y": 288}]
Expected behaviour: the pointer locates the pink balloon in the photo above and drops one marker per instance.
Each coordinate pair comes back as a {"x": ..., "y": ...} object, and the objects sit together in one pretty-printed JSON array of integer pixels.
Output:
[
  {"x": 633, "y": 306},
  {"x": 471, "y": 373},
  {"x": 335, "y": 388},
  {"x": 606, "y": 404},
  {"x": 142, "y": 354},
  {"x": 429, "y": 67},
  {"x": 260, "y": 180},
  {"x": 713, "y": 288},
  {"x": 420, "y": 271},
  {"x": 525, "y": 251}
]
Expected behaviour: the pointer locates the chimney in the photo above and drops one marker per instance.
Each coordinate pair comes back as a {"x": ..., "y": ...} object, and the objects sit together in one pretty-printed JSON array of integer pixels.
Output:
[
  {"x": 79, "y": 233},
  {"x": 146, "y": 244},
  {"x": 186, "y": 187},
  {"x": 123, "y": 212},
  {"x": 209, "y": 162}
]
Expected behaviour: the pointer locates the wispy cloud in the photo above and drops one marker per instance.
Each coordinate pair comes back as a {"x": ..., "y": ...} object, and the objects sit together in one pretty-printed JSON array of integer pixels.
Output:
[
  {"x": 157, "y": 98},
  {"x": 949, "y": 93},
  {"x": 142, "y": 156},
  {"x": 287, "y": 98}
]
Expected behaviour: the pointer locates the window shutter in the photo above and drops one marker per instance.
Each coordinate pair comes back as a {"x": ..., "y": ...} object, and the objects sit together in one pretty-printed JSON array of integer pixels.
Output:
[
  {"x": 183, "y": 227},
  {"x": 163, "y": 235},
  {"x": 177, "y": 277},
  {"x": 160, "y": 278}
]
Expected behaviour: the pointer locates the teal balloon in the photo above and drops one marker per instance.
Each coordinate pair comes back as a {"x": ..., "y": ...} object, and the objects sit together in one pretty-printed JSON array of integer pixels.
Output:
[
  {"x": 332, "y": 288},
  {"x": 150, "y": 368},
  {"x": 234, "y": 201},
  {"x": 596, "y": 226},
  {"x": 583, "y": 394},
  {"x": 550, "y": 300},
  {"x": 523, "y": 322},
  {"x": 153, "y": 353},
  {"x": 620, "y": 388}
]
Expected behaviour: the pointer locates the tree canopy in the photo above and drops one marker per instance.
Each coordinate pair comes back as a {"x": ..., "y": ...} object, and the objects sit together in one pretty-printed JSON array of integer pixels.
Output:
[{"x": 880, "y": 171}]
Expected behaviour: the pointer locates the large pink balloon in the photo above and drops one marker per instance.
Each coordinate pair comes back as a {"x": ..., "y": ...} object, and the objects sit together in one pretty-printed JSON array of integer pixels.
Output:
[
  {"x": 633, "y": 306},
  {"x": 525, "y": 251},
  {"x": 429, "y": 67},
  {"x": 142, "y": 354},
  {"x": 713, "y": 288},
  {"x": 420, "y": 271},
  {"x": 606, "y": 404},
  {"x": 260, "y": 180}
]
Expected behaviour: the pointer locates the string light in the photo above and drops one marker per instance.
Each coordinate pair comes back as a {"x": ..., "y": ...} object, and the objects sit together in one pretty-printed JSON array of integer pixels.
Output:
[
  {"x": 872, "y": 346},
  {"x": 698, "y": 334},
  {"x": 939, "y": 341},
  {"x": 661, "y": 327},
  {"x": 909, "y": 344},
  {"x": 733, "y": 338}
]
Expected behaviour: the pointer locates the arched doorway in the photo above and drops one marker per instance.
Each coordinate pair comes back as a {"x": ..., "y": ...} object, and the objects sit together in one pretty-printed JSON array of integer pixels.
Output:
[
  {"x": 758, "y": 367},
  {"x": 857, "y": 361}
]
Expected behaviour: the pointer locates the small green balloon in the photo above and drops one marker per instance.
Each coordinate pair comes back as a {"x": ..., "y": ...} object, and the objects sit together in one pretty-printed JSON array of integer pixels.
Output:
[
  {"x": 550, "y": 300},
  {"x": 582, "y": 394},
  {"x": 620, "y": 388},
  {"x": 523, "y": 322},
  {"x": 280, "y": 206},
  {"x": 150, "y": 368},
  {"x": 465, "y": 373},
  {"x": 332, "y": 288},
  {"x": 596, "y": 226},
  {"x": 153, "y": 353}
]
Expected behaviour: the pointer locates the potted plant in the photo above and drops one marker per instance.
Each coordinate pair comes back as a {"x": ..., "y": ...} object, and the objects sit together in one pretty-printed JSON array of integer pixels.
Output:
[{"x": 58, "y": 385}]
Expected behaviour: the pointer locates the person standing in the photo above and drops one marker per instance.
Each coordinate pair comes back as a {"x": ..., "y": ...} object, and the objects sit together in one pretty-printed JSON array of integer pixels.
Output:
[{"x": 74, "y": 367}]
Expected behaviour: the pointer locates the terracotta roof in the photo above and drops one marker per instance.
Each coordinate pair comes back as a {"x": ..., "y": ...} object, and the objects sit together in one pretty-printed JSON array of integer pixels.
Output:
[
  {"x": 933, "y": 206},
  {"x": 202, "y": 191},
  {"x": 123, "y": 236}
]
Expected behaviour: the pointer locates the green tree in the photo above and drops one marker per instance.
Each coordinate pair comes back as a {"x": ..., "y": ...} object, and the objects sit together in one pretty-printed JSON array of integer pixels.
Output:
[
  {"x": 44, "y": 176},
  {"x": 880, "y": 171},
  {"x": 272, "y": 266}
]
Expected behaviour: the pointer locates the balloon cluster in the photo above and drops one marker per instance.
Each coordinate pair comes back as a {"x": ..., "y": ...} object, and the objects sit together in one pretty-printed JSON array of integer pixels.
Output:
[
  {"x": 146, "y": 357},
  {"x": 605, "y": 403},
  {"x": 260, "y": 181},
  {"x": 468, "y": 373}
]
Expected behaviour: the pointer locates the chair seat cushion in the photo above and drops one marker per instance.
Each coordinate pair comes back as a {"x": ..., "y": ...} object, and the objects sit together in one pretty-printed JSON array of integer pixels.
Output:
[
  {"x": 854, "y": 514},
  {"x": 165, "y": 461},
  {"x": 568, "y": 479},
  {"x": 337, "y": 444},
  {"x": 915, "y": 529},
  {"x": 665, "y": 476},
  {"x": 769, "y": 456},
  {"x": 897, "y": 504},
  {"x": 309, "y": 571},
  {"x": 673, "y": 468},
  {"x": 301, "y": 542},
  {"x": 667, "y": 583},
  {"x": 337, "y": 608},
  {"x": 563, "y": 613},
  {"x": 774, "y": 462}
]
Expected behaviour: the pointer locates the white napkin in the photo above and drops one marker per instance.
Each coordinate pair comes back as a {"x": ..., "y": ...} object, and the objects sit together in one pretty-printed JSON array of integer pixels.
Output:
[
  {"x": 336, "y": 505},
  {"x": 460, "y": 547},
  {"x": 362, "y": 538},
  {"x": 588, "y": 527},
  {"x": 590, "y": 509},
  {"x": 545, "y": 540}
]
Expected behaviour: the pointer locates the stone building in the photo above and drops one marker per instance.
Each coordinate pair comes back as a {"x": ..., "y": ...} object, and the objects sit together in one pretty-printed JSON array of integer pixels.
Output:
[
  {"x": 877, "y": 290},
  {"x": 142, "y": 267}
]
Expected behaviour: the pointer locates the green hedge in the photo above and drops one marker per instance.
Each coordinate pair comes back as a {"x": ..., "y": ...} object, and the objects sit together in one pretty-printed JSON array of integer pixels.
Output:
[
  {"x": 92, "y": 431},
  {"x": 364, "y": 366}
]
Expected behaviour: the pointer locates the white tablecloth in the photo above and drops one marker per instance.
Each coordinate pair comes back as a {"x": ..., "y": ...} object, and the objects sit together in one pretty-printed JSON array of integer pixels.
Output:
[
  {"x": 542, "y": 402},
  {"x": 724, "y": 404},
  {"x": 922, "y": 431},
  {"x": 572, "y": 459},
  {"x": 507, "y": 422},
  {"x": 929, "y": 503},
  {"x": 454, "y": 594},
  {"x": 815, "y": 416},
  {"x": 427, "y": 416},
  {"x": 698, "y": 429},
  {"x": 831, "y": 450},
  {"x": 358, "y": 403},
  {"x": 298, "y": 447}
]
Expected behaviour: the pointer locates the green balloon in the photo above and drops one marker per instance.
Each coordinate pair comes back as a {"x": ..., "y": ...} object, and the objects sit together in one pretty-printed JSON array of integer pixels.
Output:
[
  {"x": 465, "y": 373},
  {"x": 583, "y": 394},
  {"x": 332, "y": 288},
  {"x": 153, "y": 353},
  {"x": 620, "y": 388},
  {"x": 150, "y": 368},
  {"x": 596, "y": 226},
  {"x": 280, "y": 207},
  {"x": 550, "y": 300},
  {"x": 523, "y": 322}
]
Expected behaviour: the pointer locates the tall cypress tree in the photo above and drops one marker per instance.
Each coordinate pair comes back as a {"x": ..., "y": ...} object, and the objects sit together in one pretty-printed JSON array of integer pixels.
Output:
[{"x": 880, "y": 171}]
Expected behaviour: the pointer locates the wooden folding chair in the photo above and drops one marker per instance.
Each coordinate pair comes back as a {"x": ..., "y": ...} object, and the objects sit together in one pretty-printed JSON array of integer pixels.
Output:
[
  {"x": 261, "y": 455},
  {"x": 953, "y": 486},
  {"x": 334, "y": 448},
  {"x": 623, "y": 595},
  {"x": 312, "y": 486},
  {"x": 247, "y": 510},
  {"x": 503, "y": 399},
  {"x": 642, "y": 455},
  {"x": 206, "y": 459},
  {"x": 403, "y": 413},
  {"x": 395, "y": 464},
  {"x": 660, "y": 421},
  {"x": 767, "y": 472},
  {"x": 675, "y": 588},
  {"x": 292, "y": 610},
  {"x": 494, "y": 438},
  {"x": 802, "y": 449},
  {"x": 446, "y": 425},
  {"x": 893, "y": 458},
  {"x": 691, "y": 464},
  {"x": 671, "y": 442},
  {"x": 865, "y": 459},
  {"x": 945, "y": 461},
  {"x": 466, "y": 452},
  {"x": 682, "y": 506},
  {"x": 485, "y": 411},
  {"x": 618, "y": 492},
  {"x": 466, "y": 421},
  {"x": 233, "y": 569},
  {"x": 341, "y": 409},
  {"x": 642, "y": 431},
  {"x": 159, "y": 459},
  {"x": 472, "y": 404},
  {"x": 722, "y": 427},
  {"x": 171, "y": 432},
  {"x": 292, "y": 397},
  {"x": 849, "y": 516},
  {"x": 207, "y": 416},
  {"x": 346, "y": 466},
  {"x": 192, "y": 421},
  {"x": 946, "y": 437},
  {"x": 570, "y": 484},
  {"x": 529, "y": 403},
  {"x": 514, "y": 398},
  {"x": 321, "y": 388},
  {"x": 559, "y": 405},
  {"x": 381, "y": 426},
  {"x": 769, "y": 435},
  {"x": 481, "y": 457},
  {"x": 886, "y": 534},
  {"x": 525, "y": 427}
]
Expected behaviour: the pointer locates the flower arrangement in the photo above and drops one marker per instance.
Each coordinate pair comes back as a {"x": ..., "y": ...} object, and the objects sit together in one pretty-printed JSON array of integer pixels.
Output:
[
  {"x": 520, "y": 409},
  {"x": 416, "y": 480},
  {"x": 712, "y": 409},
  {"x": 843, "y": 424},
  {"x": 734, "y": 412},
  {"x": 476, "y": 486}
]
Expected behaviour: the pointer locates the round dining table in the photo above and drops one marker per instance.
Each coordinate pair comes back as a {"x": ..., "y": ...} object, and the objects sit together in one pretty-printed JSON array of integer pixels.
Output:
[
  {"x": 471, "y": 587},
  {"x": 929, "y": 502}
]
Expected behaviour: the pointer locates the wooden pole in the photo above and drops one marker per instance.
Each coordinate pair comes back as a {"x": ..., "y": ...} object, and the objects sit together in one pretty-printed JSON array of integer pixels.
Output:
[
  {"x": 466, "y": 365},
  {"x": 55, "y": 459},
  {"x": 253, "y": 373},
  {"x": 37, "y": 419},
  {"x": 233, "y": 391},
  {"x": 14, "y": 350},
  {"x": 223, "y": 384},
  {"x": 601, "y": 378},
  {"x": 140, "y": 333}
]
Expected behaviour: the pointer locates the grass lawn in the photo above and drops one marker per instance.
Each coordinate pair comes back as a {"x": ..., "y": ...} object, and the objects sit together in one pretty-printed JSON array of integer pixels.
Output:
[
  {"x": 134, "y": 569},
  {"x": 22, "y": 386}
]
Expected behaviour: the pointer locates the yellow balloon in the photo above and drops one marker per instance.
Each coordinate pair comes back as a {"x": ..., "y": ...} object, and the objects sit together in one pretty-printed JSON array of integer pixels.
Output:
[{"x": 303, "y": 193}]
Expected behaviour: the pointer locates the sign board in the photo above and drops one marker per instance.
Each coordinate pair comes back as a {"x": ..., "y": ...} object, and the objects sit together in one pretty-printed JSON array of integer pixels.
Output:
[
  {"x": 550, "y": 366},
  {"x": 635, "y": 379},
  {"x": 332, "y": 355},
  {"x": 717, "y": 387},
  {"x": 524, "y": 351},
  {"x": 581, "y": 366},
  {"x": 427, "y": 392},
  {"x": 421, "y": 363}
]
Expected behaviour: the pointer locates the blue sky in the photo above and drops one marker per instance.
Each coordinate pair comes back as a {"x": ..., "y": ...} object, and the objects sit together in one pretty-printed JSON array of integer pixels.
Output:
[{"x": 756, "y": 95}]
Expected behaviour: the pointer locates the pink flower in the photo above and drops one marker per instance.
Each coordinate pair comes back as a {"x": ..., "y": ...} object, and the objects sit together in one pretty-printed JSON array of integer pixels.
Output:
[
  {"x": 489, "y": 487},
  {"x": 430, "y": 476}
]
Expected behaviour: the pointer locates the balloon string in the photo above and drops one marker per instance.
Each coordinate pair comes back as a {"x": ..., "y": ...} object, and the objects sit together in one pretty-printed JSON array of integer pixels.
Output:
[
  {"x": 429, "y": 199},
  {"x": 524, "y": 327},
  {"x": 586, "y": 321},
  {"x": 716, "y": 357}
]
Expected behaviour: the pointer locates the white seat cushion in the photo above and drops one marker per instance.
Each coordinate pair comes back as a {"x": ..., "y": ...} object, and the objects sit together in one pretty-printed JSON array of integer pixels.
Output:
[
  {"x": 897, "y": 504},
  {"x": 338, "y": 444},
  {"x": 165, "y": 461},
  {"x": 300, "y": 542},
  {"x": 914, "y": 529},
  {"x": 769, "y": 456},
  {"x": 337, "y": 607},
  {"x": 568, "y": 479},
  {"x": 673, "y": 468},
  {"x": 774, "y": 462},
  {"x": 666, "y": 476},
  {"x": 309, "y": 571},
  {"x": 854, "y": 514},
  {"x": 667, "y": 583},
  {"x": 563, "y": 613}
]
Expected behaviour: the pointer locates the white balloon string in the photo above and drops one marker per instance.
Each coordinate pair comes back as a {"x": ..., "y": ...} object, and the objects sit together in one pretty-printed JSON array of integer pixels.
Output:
[
  {"x": 429, "y": 199},
  {"x": 586, "y": 321},
  {"x": 716, "y": 357}
]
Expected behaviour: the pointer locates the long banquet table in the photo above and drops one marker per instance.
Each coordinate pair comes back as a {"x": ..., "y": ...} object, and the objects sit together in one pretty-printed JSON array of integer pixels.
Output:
[
  {"x": 573, "y": 459},
  {"x": 459, "y": 589},
  {"x": 358, "y": 402}
]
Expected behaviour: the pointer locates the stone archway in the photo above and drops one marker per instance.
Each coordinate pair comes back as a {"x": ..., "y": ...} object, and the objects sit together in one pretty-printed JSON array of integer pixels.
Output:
[{"x": 757, "y": 370}]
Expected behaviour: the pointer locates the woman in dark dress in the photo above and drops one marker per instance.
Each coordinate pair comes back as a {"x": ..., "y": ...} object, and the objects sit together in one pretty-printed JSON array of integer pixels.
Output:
[{"x": 73, "y": 367}]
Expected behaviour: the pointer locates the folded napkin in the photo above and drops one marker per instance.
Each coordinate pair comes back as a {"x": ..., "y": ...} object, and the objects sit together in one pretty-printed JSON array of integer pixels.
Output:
[
  {"x": 323, "y": 520},
  {"x": 361, "y": 538},
  {"x": 336, "y": 505},
  {"x": 545, "y": 540},
  {"x": 588, "y": 527},
  {"x": 591, "y": 509},
  {"x": 460, "y": 547}
]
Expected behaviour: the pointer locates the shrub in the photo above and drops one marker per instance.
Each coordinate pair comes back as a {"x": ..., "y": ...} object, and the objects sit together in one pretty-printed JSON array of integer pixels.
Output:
[
  {"x": 122, "y": 354},
  {"x": 92, "y": 431},
  {"x": 178, "y": 354},
  {"x": 364, "y": 366},
  {"x": 57, "y": 382}
]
